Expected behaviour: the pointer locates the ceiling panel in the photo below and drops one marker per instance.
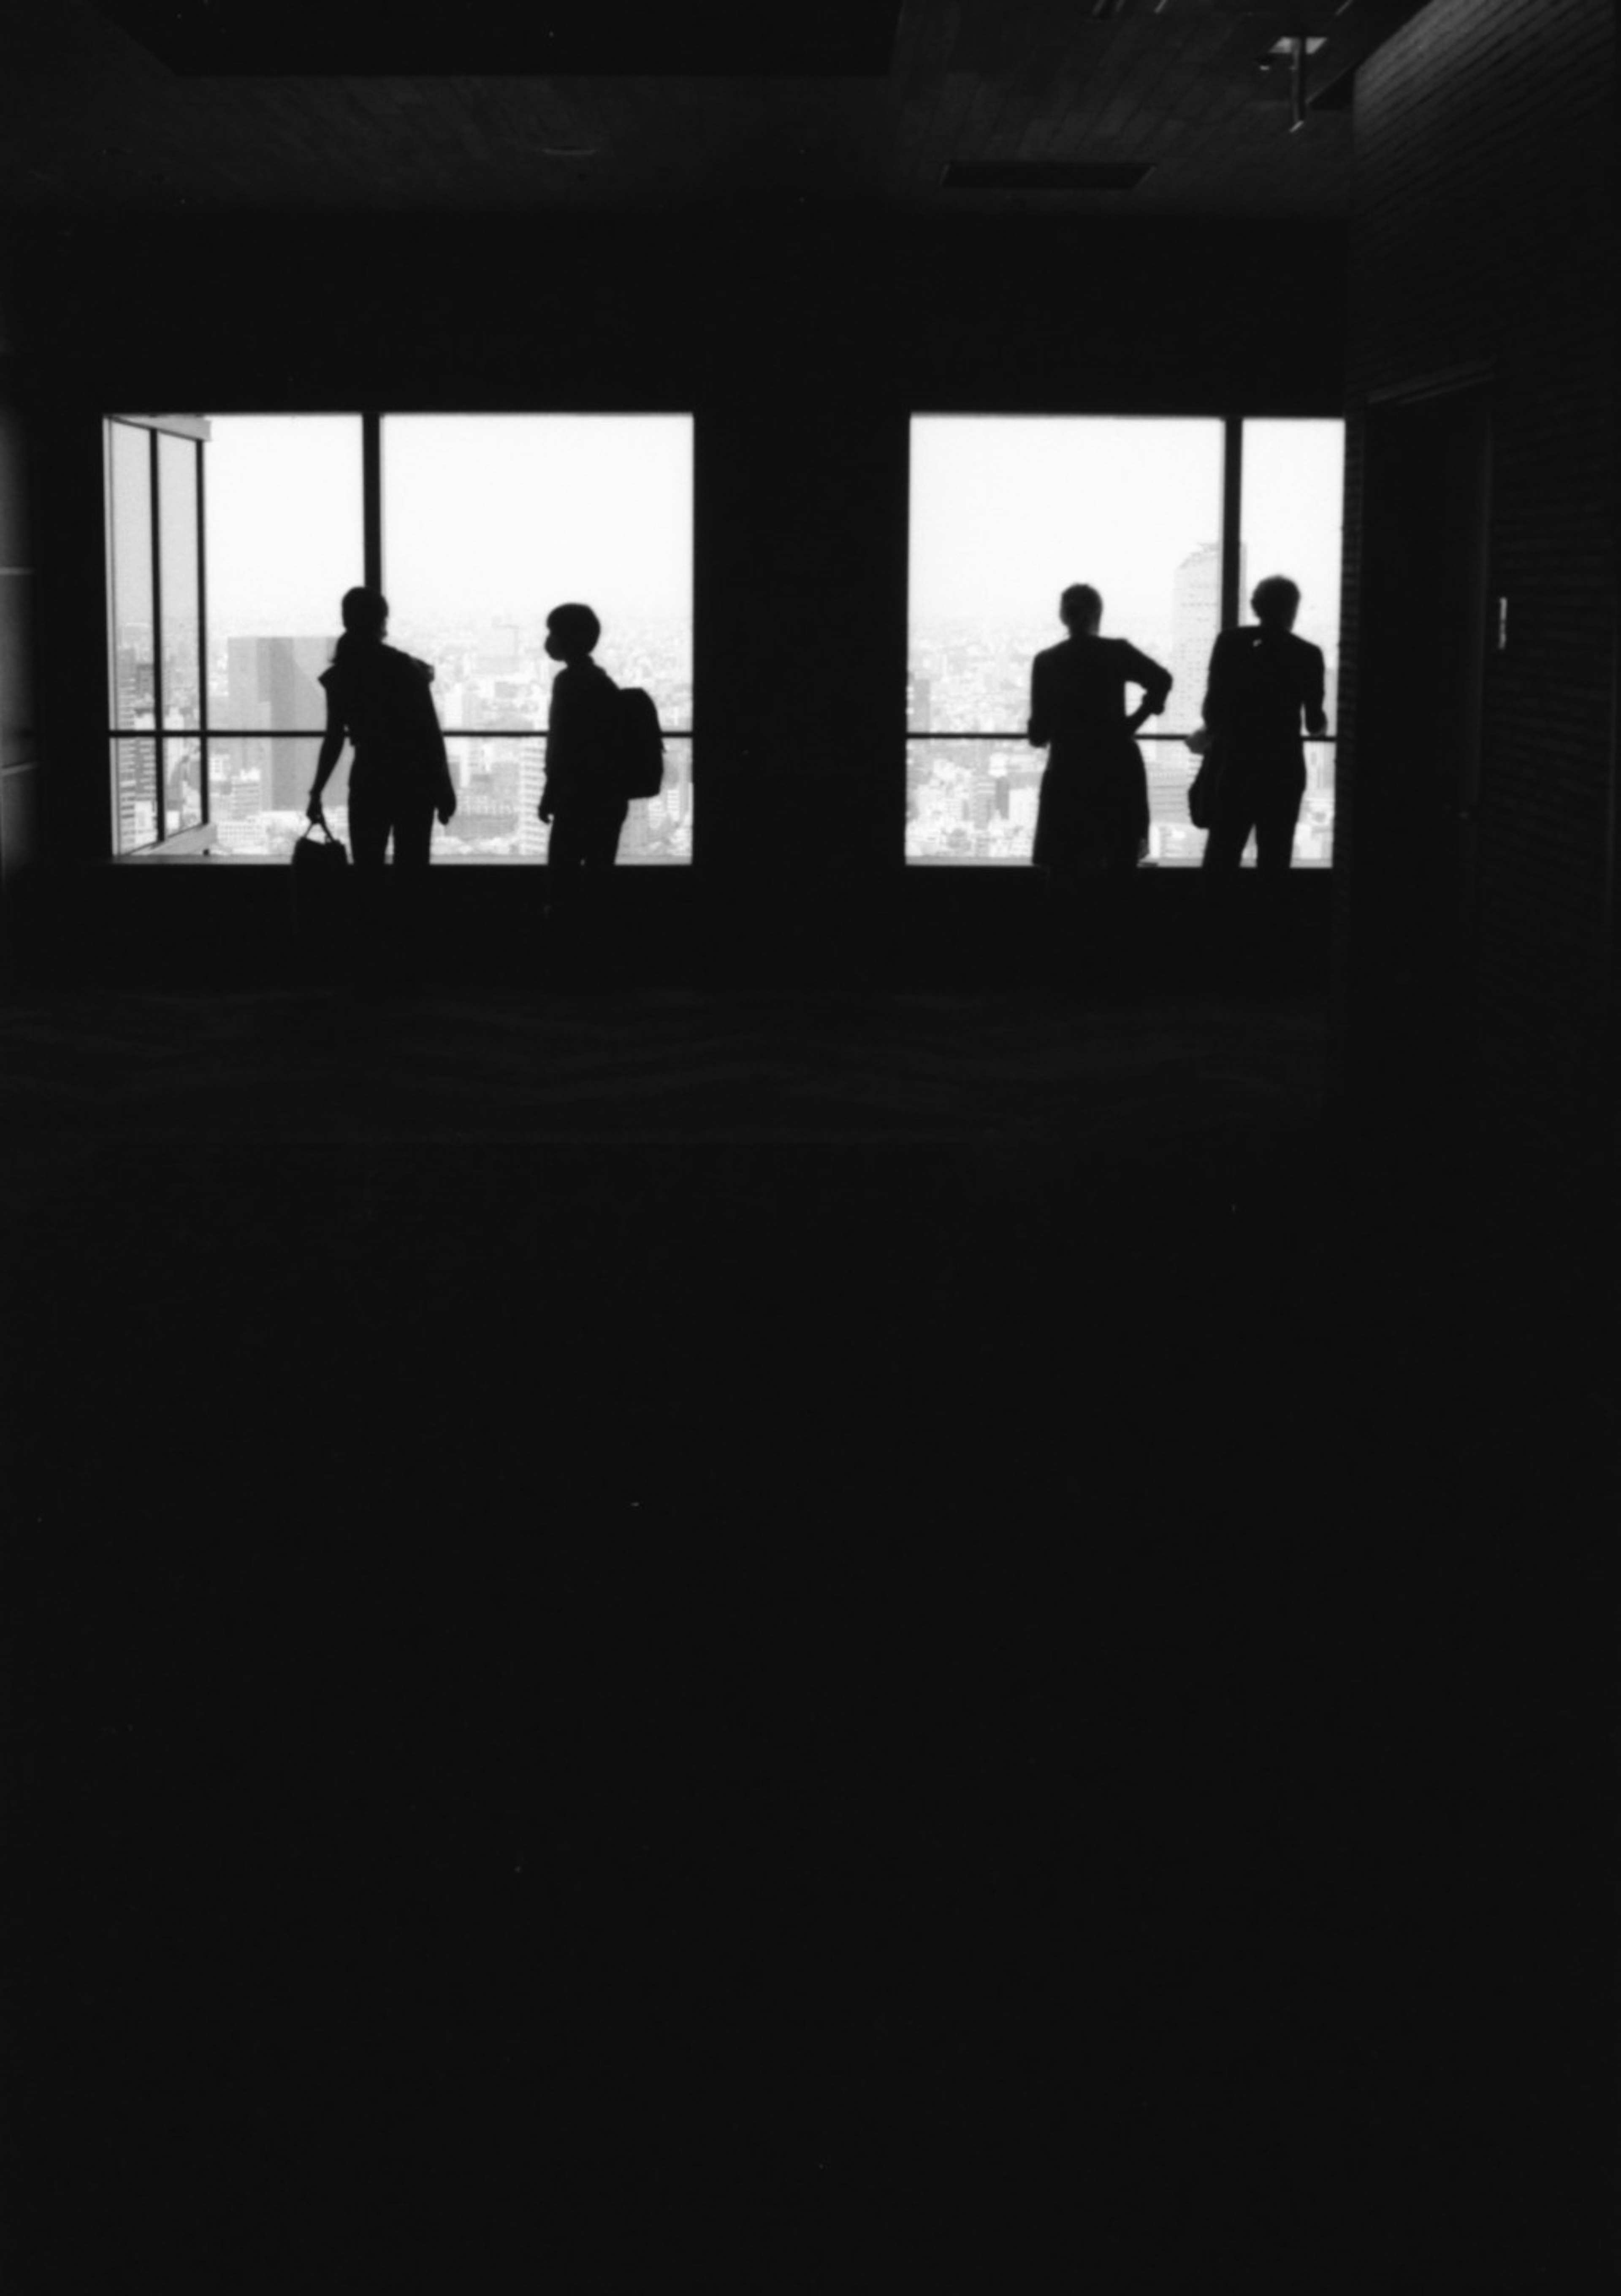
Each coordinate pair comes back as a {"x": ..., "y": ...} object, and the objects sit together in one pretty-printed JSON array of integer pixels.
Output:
[
  {"x": 92, "y": 122},
  {"x": 463, "y": 39}
]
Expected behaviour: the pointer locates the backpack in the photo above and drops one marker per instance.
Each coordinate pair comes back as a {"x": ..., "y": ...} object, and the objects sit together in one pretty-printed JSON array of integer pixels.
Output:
[{"x": 641, "y": 743}]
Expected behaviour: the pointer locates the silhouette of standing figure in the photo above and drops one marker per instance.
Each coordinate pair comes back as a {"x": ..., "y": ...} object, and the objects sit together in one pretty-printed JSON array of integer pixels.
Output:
[
  {"x": 1263, "y": 680},
  {"x": 378, "y": 699},
  {"x": 1092, "y": 814},
  {"x": 580, "y": 795}
]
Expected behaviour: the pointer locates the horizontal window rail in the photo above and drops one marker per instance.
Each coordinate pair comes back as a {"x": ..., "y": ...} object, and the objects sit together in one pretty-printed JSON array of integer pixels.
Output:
[
  {"x": 318, "y": 732},
  {"x": 978, "y": 734},
  {"x": 534, "y": 732}
]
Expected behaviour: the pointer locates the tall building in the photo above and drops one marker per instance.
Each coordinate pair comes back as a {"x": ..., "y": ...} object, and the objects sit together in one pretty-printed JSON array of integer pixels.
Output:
[
  {"x": 1196, "y": 620},
  {"x": 532, "y": 831},
  {"x": 275, "y": 682},
  {"x": 137, "y": 770}
]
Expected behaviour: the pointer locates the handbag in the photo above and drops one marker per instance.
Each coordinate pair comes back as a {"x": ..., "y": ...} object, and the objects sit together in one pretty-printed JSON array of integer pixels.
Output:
[
  {"x": 318, "y": 865},
  {"x": 319, "y": 870}
]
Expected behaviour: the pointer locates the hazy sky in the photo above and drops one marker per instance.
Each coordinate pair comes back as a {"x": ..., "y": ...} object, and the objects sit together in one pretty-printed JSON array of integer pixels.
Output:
[
  {"x": 483, "y": 516},
  {"x": 490, "y": 515},
  {"x": 1293, "y": 510},
  {"x": 1007, "y": 512},
  {"x": 284, "y": 520},
  {"x": 487, "y": 514}
]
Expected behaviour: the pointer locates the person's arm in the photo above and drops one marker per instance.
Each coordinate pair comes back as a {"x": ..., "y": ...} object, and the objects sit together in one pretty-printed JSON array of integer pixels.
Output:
[
  {"x": 331, "y": 749},
  {"x": 433, "y": 733},
  {"x": 556, "y": 736},
  {"x": 1038, "y": 732},
  {"x": 1156, "y": 684},
  {"x": 1315, "y": 721}
]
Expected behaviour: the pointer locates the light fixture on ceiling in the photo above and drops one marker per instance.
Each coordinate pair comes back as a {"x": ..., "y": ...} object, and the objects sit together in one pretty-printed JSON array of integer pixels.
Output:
[{"x": 1294, "y": 49}]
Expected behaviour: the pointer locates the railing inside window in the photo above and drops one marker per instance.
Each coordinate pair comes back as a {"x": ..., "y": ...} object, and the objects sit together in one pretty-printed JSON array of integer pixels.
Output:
[{"x": 982, "y": 816}]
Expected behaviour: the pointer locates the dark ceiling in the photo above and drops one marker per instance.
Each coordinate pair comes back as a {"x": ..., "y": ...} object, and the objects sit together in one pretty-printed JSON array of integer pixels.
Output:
[{"x": 283, "y": 107}]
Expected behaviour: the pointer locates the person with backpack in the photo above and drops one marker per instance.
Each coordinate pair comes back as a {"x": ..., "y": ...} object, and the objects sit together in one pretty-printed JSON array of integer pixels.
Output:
[
  {"x": 378, "y": 698},
  {"x": 603, "y": 747}
]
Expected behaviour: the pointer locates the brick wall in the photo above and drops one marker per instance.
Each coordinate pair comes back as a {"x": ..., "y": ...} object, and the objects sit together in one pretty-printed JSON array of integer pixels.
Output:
[{"x": 1481, "y": 237}]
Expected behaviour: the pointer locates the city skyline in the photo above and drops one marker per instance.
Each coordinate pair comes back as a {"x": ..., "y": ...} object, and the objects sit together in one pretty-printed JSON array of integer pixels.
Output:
[
  {"x": 491, "y": 687},
  {"x": 986, "y": 493}
]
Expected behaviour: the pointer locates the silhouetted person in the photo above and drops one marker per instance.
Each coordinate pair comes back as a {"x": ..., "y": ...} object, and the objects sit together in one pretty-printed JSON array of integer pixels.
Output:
[
  {"x": 1092, "y": 815},
  {"x": 581, "y": 795},
  {"x": 1263, "y": 681},
  {"x": 378, "y": 699}
]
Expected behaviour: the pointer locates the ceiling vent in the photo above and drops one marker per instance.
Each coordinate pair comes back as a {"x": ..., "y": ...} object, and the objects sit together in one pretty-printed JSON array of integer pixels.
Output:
[
  {"x": 1044, "y": 176},
  {"x": 547, "y": 39}
]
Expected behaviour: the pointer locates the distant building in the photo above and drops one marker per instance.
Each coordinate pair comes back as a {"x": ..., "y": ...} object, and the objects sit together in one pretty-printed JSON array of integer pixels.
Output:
[
  {"x": 137, "y": 773},
  {"x": 1196, "y": 622},
  {"x": 275, "y": 683},
  {"x": 532, "y": 831}
]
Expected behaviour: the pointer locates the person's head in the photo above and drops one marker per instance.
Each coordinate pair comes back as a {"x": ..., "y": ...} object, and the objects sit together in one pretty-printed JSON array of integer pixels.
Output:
[
  {"x": 1080, "y": 609},
  {"x": 571, "y": 632},
  {"x": 1276, "y": 602},
  {"x": 365, "y": 617}
]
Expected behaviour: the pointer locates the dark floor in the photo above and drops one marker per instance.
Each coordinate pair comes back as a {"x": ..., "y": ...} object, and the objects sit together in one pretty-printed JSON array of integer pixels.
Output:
[{"x": 844, "y": 1644}]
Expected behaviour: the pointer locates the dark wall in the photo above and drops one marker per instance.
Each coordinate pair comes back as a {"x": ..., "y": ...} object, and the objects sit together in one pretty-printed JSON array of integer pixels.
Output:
[
  {"x": 1482, "y": 248},
  {"x": 19, "y": 747},
  {"x": 802, "y": 347}
]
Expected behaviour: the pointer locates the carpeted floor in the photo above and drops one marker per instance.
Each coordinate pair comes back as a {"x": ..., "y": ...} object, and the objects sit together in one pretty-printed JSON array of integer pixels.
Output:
[{"x": 795, "y": 1634}]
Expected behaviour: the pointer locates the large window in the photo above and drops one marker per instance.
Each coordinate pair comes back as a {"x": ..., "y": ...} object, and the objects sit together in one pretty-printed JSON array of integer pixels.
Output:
[
  {"x": 239, "y": 538},
  {"x": 488, "y": 521},
  {"x": 1007, "y": 512}
]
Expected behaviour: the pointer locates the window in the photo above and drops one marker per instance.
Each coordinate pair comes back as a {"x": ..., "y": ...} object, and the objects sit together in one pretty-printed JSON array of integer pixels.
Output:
[
  {"x": 488, "y": 521},
  {"x": 1007, "y": 512},
  {"x": 132, "y": 669},
  {"x": 236, "y": 541}
]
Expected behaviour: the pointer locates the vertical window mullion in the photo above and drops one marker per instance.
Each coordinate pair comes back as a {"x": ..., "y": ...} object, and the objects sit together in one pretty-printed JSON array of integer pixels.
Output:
[
  {"x": 109, "y": 547},
  {"x": 370, "y": 469},
  {"x": 1232, "y": 488},
  {"x": 202, "y": 644},
  {"x": 157, "y": 718}
]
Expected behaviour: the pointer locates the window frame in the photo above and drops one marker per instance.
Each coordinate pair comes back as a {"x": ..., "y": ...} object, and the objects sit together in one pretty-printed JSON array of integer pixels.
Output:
[
  {"x": 1230, "y": 544},
  {"x": 193, "y": 428},
  {"x": 197, "y": 429}
]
